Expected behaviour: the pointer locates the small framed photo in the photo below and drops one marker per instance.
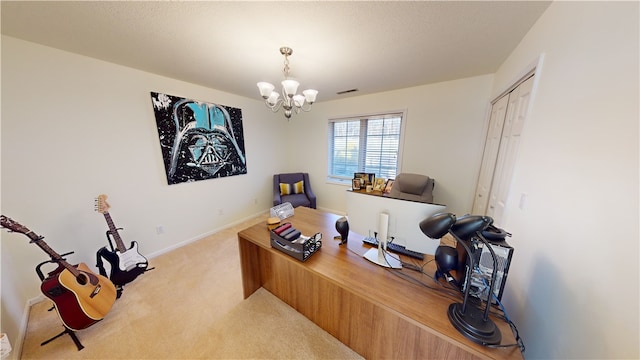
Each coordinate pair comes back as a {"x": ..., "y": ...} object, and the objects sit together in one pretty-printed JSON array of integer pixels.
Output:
[
  {"x": 365, "y": 178},
  {"x": 356, "y": 184},
  {"x": 379, "y": 184},
  {"x": 387, "y": 188},
  {"x": 371, "y": 178},
  {"x": 362, "y": 177}
]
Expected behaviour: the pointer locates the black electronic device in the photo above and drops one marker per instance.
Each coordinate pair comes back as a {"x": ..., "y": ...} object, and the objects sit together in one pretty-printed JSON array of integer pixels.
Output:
[
  {"x": 396, "y": 248},
  {"x": 469, "y": 320},
  {"x": 446, "y": 260},
  {"x": 342, "y": 226},
  {"x": 478, "y": 285}
]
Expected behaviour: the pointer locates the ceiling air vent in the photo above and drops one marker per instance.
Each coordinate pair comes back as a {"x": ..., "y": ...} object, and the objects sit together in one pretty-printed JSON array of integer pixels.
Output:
[{"x": 346, "y": 91}]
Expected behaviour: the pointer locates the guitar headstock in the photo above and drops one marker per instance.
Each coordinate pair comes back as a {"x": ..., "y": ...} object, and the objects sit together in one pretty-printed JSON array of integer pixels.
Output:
[
  {"x": 101, "y": 204},
  {"x": 13, "y": 225}
]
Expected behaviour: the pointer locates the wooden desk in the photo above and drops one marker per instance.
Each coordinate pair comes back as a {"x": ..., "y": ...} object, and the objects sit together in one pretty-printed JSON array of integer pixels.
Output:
[{"x": 370, "y": 309}]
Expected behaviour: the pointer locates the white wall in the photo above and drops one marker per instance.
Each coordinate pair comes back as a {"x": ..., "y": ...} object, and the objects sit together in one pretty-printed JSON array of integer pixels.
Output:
[
  {"x": 75, "y": 127},
  {"x": 444, "y": 137},
  {"x": 573, "y": 286}
]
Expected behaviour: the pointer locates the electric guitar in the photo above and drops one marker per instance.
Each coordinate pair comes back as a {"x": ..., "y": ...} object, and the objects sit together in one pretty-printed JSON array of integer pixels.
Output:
[
  {"x": 126, "y": 264},
  {"x": 80, "y": 296}
]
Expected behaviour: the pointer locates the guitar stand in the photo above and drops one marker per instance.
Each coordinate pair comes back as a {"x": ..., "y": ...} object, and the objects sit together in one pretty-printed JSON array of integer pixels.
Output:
[
  {"x": 103, "y": 272},
  {"x": 100, "y": 264},
  {"x": 71, "y": 333},
  {"x": 67, "y": 331},
  {"x": 109, "y": 237}
]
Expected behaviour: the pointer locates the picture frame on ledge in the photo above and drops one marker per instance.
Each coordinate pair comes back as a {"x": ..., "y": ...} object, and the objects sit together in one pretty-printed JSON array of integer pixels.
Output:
[
  {"x": 379, "y": 184},
  {"x": 371, "y": 178},
  {"x": 387, "y": 187},
  {"x": 356, "y": 184},
  {"x": 366, "y": 178}
]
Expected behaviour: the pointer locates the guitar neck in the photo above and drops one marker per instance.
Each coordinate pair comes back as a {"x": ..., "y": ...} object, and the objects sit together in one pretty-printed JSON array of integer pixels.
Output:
[
  {"x": 114, "y": 231},
  {"x": 37, "y": 239}
]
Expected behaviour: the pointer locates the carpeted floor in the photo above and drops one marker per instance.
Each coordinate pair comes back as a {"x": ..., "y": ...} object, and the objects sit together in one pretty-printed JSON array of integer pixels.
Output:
[{"x": 189, "y": 307}]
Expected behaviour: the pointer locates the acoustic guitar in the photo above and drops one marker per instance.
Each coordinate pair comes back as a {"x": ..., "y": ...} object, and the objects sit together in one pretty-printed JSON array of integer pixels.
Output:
[
  {"x": 80, "y": 296},
  {"x": 126, "y": 264}
]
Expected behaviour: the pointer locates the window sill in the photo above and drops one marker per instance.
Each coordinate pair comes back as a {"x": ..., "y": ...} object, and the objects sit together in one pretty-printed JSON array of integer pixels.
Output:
[{"x": 342, "y": 182}]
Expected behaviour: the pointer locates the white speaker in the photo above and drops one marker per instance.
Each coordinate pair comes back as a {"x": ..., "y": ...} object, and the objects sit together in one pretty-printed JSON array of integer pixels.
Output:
[{"x": 480, "y": 281}]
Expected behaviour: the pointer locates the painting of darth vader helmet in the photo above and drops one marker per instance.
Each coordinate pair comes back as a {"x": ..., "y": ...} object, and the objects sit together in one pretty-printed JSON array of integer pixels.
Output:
[{"x": 199, "y": 140}]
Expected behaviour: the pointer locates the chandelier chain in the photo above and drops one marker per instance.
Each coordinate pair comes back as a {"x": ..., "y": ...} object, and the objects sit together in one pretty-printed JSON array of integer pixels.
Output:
[{"x": 286, "y": 66}]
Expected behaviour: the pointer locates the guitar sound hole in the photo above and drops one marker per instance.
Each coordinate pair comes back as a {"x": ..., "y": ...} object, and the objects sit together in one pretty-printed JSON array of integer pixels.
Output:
[{"x": 82, "y": 279}]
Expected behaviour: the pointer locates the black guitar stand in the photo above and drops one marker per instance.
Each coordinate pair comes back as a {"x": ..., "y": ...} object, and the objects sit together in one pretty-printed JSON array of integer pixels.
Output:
[
  {"x": 70, "y": 333},
  {"x": 100, "y": 263},
  {"x": 67, "y": 331},
  {"x": 103, "y": 272},
  {"x": 109, "y": 235}
]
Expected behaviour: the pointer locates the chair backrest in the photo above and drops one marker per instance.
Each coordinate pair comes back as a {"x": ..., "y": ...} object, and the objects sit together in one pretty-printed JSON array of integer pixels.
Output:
[
  {"x": 414, "y": 187},
  {"x": 290, "y": 178}
]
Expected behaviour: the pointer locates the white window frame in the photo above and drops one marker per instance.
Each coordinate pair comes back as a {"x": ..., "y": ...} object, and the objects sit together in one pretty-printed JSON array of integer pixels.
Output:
[{"x": 346, "y": 180}]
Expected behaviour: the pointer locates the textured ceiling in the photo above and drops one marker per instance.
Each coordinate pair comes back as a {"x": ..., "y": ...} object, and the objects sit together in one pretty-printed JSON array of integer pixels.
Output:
[{"x": 373, "y": 46}]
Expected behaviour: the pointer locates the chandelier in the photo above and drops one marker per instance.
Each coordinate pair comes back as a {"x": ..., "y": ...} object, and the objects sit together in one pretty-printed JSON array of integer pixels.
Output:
[{"x": 290, "y": 101}]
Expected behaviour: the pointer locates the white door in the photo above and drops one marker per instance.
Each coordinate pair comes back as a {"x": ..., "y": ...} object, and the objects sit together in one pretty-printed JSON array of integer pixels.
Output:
[
  {"x": 494, "y": 134},
  {"x": 517, "y": 110}
]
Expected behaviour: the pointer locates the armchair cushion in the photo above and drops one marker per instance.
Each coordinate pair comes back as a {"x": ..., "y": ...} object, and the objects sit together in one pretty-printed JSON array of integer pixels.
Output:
[{"x": 288, "y": 189}]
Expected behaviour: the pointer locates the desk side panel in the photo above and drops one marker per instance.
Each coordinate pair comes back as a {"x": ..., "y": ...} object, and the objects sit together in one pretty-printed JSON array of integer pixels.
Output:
[{"x": 250, "y": 266}]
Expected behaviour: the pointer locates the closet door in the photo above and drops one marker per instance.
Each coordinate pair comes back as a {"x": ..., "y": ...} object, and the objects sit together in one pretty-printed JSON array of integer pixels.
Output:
[
  {"x": 517, "y": 111},
  {"x": 490, "y": 155}
]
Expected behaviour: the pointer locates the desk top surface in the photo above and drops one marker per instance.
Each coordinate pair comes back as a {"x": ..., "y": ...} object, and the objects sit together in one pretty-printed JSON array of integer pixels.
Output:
[{"x": 410, "y": 294}]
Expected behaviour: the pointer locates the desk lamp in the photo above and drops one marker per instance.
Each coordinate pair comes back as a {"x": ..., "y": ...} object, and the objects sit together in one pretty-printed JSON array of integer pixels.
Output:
[{"x": 470, "y": 321}]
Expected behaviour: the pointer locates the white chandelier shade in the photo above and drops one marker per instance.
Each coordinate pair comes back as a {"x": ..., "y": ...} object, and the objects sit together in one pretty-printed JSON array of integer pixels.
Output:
[{"x": 290, "y": 101}]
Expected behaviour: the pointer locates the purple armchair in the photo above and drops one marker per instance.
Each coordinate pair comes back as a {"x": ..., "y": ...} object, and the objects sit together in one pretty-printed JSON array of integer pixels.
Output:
[{"x": 291, "y": 191}]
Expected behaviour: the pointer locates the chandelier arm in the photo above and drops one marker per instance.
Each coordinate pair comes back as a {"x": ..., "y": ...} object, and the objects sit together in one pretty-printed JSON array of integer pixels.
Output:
[
  {"x": 307, "y": 109},
  {"x": 302, "y": 108},
  {"x": 275, "y": 107}
]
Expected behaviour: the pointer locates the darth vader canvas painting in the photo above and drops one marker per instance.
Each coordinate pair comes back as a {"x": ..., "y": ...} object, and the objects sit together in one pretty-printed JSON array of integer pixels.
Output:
[{"x": 199, "y": 140}]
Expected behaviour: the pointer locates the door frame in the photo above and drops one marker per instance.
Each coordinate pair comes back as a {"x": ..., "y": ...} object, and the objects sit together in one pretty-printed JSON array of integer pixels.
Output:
[{"x": 533, "y": 69}]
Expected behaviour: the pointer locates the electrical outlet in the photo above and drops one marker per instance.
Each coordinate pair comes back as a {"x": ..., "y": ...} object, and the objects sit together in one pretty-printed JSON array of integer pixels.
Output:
[
  {"x": 220, "y": 212},
  {"x": 159, "y": 229},
  {"x": 255, "y": 201},
  {"x": 523, "y": 201}
]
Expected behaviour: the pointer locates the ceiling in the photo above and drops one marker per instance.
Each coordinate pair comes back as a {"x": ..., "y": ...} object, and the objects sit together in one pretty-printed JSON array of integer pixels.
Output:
[{"x": 372, "y": 46}]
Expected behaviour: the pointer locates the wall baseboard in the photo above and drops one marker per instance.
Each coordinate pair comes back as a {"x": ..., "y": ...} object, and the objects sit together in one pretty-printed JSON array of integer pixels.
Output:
[
  {"x": 202, "y": 236},
  {"x": 22, "y": 332},
  {"x": 342, "y": 213}
]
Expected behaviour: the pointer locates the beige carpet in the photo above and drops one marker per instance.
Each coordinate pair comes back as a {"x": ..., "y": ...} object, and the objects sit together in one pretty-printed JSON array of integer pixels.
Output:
[{"x": 189, "y": 307}]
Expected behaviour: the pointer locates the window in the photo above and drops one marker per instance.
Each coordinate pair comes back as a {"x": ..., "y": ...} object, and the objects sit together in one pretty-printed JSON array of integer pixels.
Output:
[{"x": 368, "y": 143}]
